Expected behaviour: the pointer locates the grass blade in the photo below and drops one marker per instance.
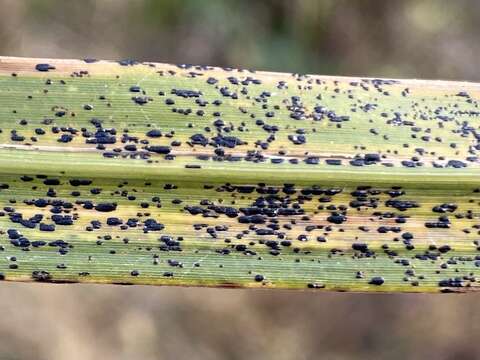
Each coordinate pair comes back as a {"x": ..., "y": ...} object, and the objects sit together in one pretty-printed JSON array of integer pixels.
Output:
[{"x": 121, "y": 172}]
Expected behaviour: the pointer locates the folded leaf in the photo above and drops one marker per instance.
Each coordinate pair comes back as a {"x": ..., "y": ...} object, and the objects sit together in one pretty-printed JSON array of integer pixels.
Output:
[{"x": 146, "y": 173}]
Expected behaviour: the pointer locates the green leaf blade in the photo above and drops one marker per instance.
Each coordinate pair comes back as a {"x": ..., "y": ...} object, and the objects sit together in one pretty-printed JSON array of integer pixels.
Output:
[{"x": 261, "y": 186}]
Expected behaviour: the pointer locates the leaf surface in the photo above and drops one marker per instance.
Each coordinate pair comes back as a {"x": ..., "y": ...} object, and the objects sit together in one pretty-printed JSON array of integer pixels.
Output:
[{"x": 146, "y": 173}]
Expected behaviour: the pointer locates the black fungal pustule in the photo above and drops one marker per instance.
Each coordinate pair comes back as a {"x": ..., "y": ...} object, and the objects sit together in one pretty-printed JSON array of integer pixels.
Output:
[
  {"x": 377, "y": 280},
  {"x": 44, "y": 67},
  {"x": 41, "y": 275},
  {"x": 106, "y": 207}
]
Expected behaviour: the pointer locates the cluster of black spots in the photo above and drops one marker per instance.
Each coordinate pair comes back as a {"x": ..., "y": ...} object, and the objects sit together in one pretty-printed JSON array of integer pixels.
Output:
[
  {"x": 152, "y": 225},
  {"x": 312, "y": 160},
  {"x": 41, "y": 276},
  {"x": 186, "y": 93},
  {"x": 141, "y": 100},
  {"x": 442, "y": 223},
  {"x": 402, "y": 205},
  {"x": 261, "y": 220},
  {"x": 444, "y": 208},
  {"x": 452, "y": 282},
  {"x": 456, "y": 164},
  {"x": 321, "y": 112},
  {"x": 31, "y": 223},
  {"x": 262, "y": 214},
  {"x": 101, "y": 137},
  {"x": 367, "y": 159},
  {"x": 199, "y": 139},
  {"x": 14, "y": 136},
  {"x": 297, "y": 139},
  {"x": 51, "y": 182},
  {"x": 62, "y": 219},
  {"x": 80, "y": 182},
  {"x": 362, "y": 247},
  {"x": 128, "y": 62},
  {"x": 271, "y": 104},
  {"x": 227, "y": 141}
]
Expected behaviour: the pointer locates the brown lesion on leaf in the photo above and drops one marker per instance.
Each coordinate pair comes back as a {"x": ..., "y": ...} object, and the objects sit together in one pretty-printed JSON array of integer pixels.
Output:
[
  {"x": 122, "y": 283},
  {"x": 229, "y": 285}
]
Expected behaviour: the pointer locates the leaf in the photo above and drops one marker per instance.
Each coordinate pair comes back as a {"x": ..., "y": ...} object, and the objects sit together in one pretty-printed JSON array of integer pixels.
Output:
[{"x": 144, "y": 173}]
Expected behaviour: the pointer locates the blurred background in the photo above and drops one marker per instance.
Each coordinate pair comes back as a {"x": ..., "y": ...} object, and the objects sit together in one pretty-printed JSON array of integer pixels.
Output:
[{"x": 406, "y": 39}]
